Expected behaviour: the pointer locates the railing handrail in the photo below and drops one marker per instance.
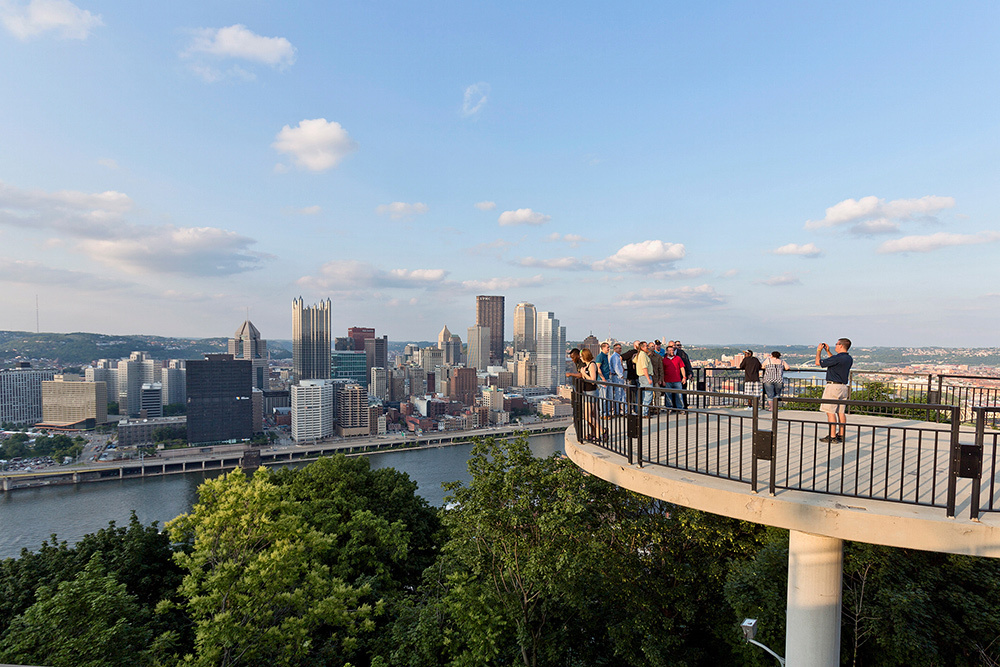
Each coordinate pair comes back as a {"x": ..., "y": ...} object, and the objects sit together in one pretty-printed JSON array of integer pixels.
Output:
[{"x": 964, "y": 461}]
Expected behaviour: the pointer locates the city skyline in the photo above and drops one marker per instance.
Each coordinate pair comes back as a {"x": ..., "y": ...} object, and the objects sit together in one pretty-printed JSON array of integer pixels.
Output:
[{"x": 784, "y": 173}]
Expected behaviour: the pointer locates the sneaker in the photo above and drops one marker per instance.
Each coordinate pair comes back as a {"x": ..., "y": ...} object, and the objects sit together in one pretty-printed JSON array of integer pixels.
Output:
[
  {"x": 839, "y": 438},
  {"x": 829, "y": 438}
]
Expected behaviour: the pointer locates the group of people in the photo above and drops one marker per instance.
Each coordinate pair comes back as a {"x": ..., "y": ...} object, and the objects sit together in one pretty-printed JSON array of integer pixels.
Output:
[
  {"x": 614, "y": 375},
  {"x": 769, "y": 377},
  {"x": 643, "y": 365}
]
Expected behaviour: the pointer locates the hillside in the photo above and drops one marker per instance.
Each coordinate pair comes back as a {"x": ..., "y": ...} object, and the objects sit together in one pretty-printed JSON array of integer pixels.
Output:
[{"x": 77, "y": 349}]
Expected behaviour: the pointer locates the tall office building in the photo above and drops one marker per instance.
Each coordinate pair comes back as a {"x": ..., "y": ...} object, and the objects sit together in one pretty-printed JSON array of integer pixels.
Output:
[
  {"x": 524, "y": 327},
  {"x": 465, "y": 385},
  {"x": 174, "y": 380},
  {"x": 431, "y": 358},
  {"x": 311, "y": 340},
  {"x": 378, "y": 384},
  {"x": 247, "y": 344},
  {"x": 551, "y": 351},
  {"x": 129, "y": 394},
  {"x": 312, "y": 410},
  {"x": 478, "y": 356},
  {"x": 591, "y": 343},
  {"x": 349, "y": 365},
  {"x": 377, "y": 352},
  {"x": 219, "y": 403},
  {"x": 352, "y": 410},
  {"x": 68, "y": 403},
  {"x": 450, "y": 346},
  {"x": 151, "y": 400},
  {"x": 359, "y": 335},
  {"x": 21, "y": 395},
  {"x": 489, "y": 313}
]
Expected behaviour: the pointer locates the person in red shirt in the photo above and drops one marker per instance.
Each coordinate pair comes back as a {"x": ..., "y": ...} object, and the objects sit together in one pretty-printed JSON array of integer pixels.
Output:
[{"x": 674, "y": 377}]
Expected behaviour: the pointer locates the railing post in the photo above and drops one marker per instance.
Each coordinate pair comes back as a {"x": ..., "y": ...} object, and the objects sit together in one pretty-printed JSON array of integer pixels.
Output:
[
  {"x": 638, "y": 425},
  {"x": 977, "y": 462},
  {"x": 955, "y": 464},
  {"x": 763, "y": 448}
]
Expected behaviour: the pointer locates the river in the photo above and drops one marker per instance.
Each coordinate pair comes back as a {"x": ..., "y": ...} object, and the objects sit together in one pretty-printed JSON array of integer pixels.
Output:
[{"x": 28, "y": 516}]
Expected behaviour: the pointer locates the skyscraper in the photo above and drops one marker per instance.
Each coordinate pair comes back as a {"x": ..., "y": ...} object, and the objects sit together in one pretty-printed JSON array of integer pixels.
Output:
[
  {"x": 359, "y": 335},
  {"x": 489, "y": 313},
  {"x": 478, "y": 356},
  {"x": 219, "y": 404},
  {"x": 551, "y": 351},
  {"x": 524, "y": 327},
  {"x": 311, "y": 340},
  {"x": 377, "y": 352},
  {"x": 312, "y": 410},
  {"x": 247, "y": 344}
]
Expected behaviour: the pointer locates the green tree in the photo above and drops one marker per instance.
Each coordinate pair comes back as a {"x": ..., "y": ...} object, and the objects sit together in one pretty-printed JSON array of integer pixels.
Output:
[
  {"x": 256, "y": 585},
  {"x": 546, "y": 565},
  {"x": 89, "y": 620}
]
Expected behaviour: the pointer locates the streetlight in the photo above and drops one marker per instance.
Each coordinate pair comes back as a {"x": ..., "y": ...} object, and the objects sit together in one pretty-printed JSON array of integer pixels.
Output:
[{"x": 749, "y": 627}]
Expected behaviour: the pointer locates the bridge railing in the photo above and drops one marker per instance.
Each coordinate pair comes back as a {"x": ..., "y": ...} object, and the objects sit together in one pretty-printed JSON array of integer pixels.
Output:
[{"x": 911, "y": 459}]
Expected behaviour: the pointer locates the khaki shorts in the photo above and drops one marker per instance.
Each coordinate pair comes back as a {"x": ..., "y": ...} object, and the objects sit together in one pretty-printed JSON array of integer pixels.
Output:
[{"x": 839, "y": 392}]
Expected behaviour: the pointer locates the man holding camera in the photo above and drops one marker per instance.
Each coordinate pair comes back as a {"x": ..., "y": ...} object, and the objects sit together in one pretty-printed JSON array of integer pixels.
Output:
[{"x": 838, "y": 377}]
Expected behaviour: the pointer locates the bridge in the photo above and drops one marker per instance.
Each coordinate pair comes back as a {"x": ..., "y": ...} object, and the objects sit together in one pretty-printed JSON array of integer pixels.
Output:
[
  {"x": 228, "y": 457},
  {"x": 907, "y": 474}
]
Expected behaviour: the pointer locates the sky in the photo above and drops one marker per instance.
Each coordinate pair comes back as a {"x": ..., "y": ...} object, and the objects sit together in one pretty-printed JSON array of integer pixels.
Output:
[{"x": 775, "y": 172}]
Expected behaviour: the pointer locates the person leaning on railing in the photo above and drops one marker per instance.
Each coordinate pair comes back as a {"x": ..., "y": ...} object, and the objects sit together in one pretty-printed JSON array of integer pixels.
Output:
[
  {"x": 588, "y": 387},
  {"x": 774, "y": 377},
  {"x": 838, "y": 377}
]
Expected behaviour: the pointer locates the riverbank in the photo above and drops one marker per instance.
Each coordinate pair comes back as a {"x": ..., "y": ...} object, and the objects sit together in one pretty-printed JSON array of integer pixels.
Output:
[
  {"x": 73, "y": 510},
  {"x": 229, "y": 457}
]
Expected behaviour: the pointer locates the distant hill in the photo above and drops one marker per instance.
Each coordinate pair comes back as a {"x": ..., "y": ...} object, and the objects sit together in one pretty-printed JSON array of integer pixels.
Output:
[{"x": 78, "y": 349}]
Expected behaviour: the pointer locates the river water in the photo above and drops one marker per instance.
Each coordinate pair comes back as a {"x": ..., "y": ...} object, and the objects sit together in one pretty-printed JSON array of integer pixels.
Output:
[{"x": 28, "y": 516}]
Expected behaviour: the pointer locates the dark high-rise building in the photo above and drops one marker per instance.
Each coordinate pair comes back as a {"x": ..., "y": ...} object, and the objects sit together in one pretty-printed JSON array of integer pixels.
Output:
[
  {"x": 359, "y": 335},
  {"x": 311, "y": 340},
  {"x": 343, "y": 343},
  {"x": 377, "y": 352},
  {"x": 219, "y": 401},
  {"x": 489, "y": 313}
]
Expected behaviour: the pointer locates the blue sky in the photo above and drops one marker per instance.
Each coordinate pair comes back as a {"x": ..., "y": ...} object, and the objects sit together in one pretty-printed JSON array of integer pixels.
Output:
[{"x": 764, "y": 172}]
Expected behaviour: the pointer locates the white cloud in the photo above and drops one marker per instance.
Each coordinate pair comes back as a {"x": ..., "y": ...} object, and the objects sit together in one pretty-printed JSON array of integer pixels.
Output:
[
  {"x": 236, "y": 41},
  {"x": 398, "y": 209},
  {"x": 39, "y": 16},
  {"x": 193, "y": 251},
  {"x": 501, "y": 284},
  {"x": 779, "y": 281},
  {"x": 731, "y": 273},
  {"x": 316, "y": 145},
  {"x": 475, "y": 98},
  {"x": 873, "y": 227},
  {"x": 642, "y": 257},
  {"x": 702, "y": 296},
  {"x": 805, "y": 250},
  {"x": 678, "y": 274},
  {"x": 486, "y": 205},
  {"x": 574, "y": 240},
  {"x": 29, "y": 272},
  {"x": 349, "y": 275},
  {"x": 108, "y": 162},
  {"x": 98, "y": 222},
  {"x": 80, "y": 214},
  {"x": 562, "y": 263},
  {"x": 936, "y": 241},
  {"x": 523, "y": 216},
  {"x": 873, "y": 208},
  {"x": 309, "y": 210}
]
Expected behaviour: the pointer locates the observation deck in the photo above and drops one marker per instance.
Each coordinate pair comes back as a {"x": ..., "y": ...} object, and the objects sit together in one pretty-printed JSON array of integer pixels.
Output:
[{"x": 908, "y": 475}]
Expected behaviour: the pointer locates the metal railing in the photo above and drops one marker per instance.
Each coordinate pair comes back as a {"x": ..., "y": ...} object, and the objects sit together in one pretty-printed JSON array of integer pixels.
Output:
[
  {"x": 967, "y": 392},
  {"x": 912, "y": 460}
]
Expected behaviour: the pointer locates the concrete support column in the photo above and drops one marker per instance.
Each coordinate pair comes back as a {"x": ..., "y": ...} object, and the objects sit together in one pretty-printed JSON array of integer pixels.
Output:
[{"x": 815, "y": 573}]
